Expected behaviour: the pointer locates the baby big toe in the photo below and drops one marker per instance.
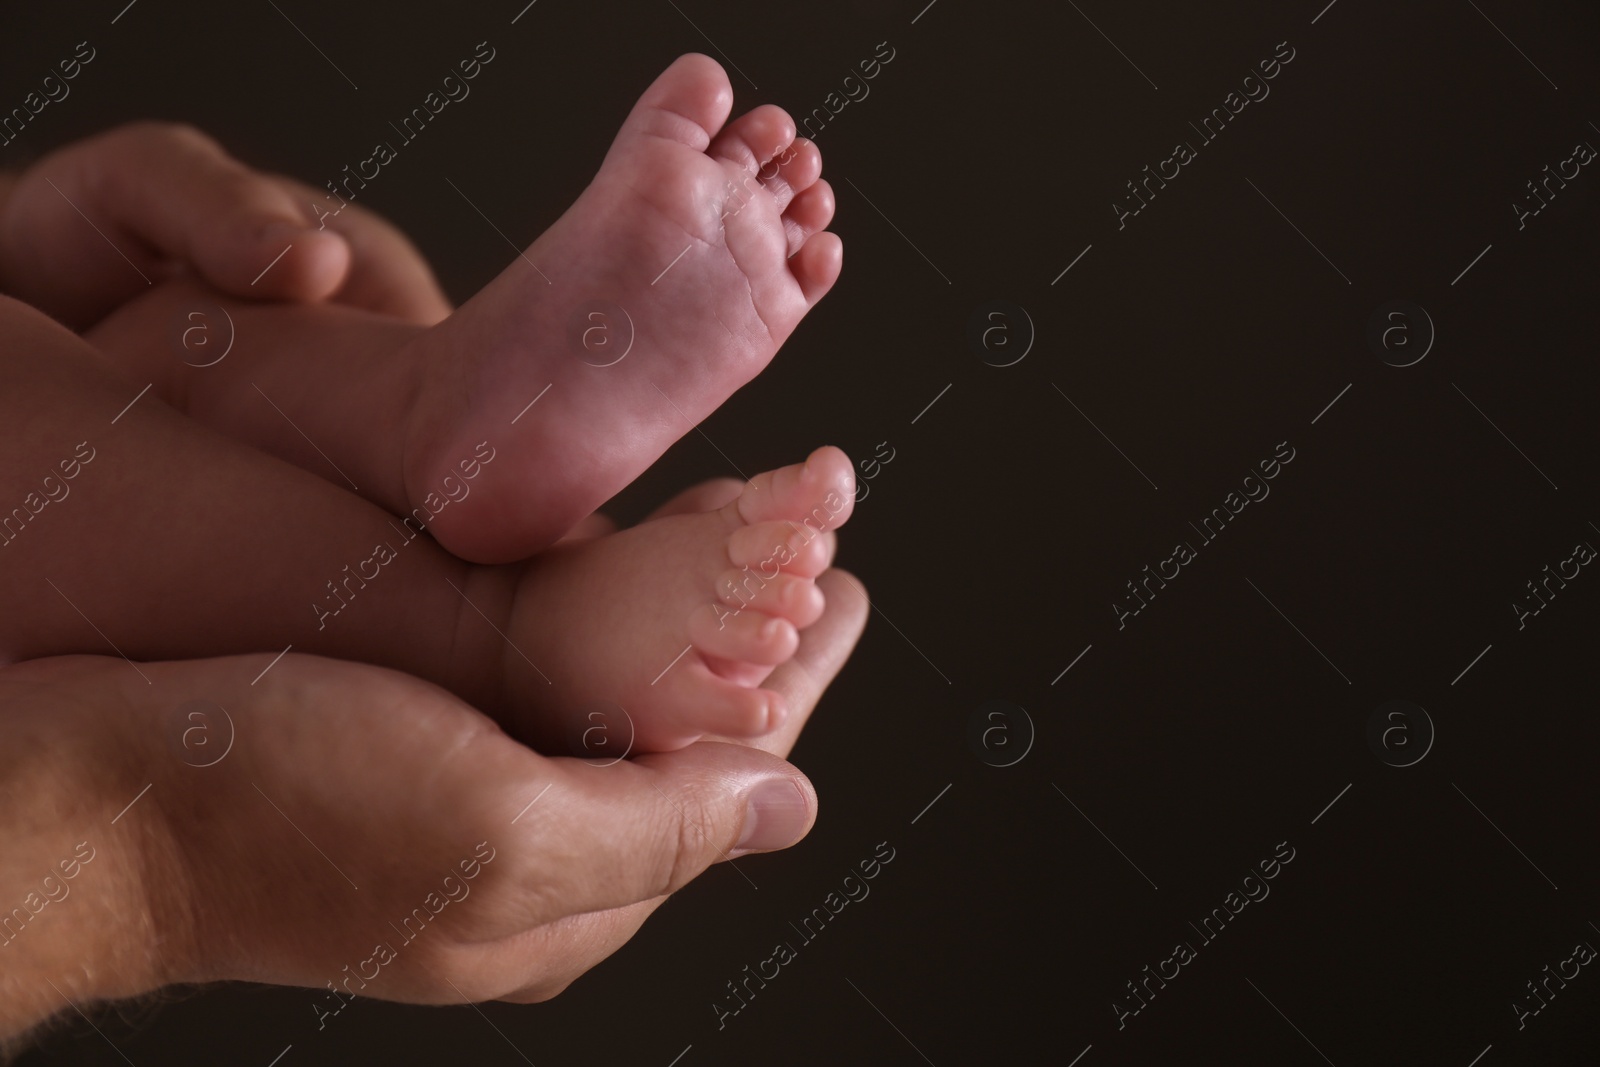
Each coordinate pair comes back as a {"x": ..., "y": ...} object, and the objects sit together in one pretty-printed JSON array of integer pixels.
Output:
[
  {"x": 689, "y": 102},
  {"x": 825, "y": 483}
]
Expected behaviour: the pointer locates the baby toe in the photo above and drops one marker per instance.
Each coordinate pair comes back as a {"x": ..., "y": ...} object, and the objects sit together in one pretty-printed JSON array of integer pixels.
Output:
[
  {"x": 742, "y": 635},
  {"x": 698, "y": 702},
  {"x": 821, "y": 489},
  {"x": 798, "y": 166},
  {"x": 753, "y": 140},
  {"x": 808, "y": 213},
  {"x": 791, "y": 173},
  {"x": 801, "y": 549},
  {"x": 816, "y": 266},
  {"x": 785, "y": 595}
]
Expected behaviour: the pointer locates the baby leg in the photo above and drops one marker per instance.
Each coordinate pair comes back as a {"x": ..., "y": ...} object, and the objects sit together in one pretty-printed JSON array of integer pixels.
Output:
[
  {"x": 134, "y": 530},
  {"x": 669, "y": 284},
  {"x": 125, "y": 526},
  {"x": 325, "y": 387}
]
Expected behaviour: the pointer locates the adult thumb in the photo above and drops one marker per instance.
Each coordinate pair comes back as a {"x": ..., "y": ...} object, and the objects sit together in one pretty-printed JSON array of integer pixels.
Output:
[{"x": 649, "y": 826}]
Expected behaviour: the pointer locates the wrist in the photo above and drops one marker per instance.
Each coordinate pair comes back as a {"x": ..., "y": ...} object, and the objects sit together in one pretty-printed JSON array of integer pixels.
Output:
[{"x": 88, "y": 908}]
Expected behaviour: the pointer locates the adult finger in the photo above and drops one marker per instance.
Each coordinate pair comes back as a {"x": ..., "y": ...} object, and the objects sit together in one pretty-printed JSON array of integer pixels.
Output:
[
  {"x": 609, "y": 836},
  {"x": 387, "y": 273},
  {"x": 175, "y": 191}
]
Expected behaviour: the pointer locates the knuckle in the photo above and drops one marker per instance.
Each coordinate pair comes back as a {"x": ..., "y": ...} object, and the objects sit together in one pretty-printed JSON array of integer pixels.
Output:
[{"x": 681, "y": 844}]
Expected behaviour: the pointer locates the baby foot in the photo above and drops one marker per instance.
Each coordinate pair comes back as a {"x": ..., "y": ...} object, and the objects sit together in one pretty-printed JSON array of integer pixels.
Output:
[
  {"x": 706, "y": 237},
  {"x": 676, "y": 621}
]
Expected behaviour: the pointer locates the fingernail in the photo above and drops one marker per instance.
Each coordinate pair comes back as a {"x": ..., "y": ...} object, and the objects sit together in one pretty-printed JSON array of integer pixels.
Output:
[{"x": 776, "y": 813}]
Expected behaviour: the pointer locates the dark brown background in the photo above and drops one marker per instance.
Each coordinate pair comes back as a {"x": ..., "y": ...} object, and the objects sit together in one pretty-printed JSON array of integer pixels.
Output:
[{"x": 1196, "y": 339}]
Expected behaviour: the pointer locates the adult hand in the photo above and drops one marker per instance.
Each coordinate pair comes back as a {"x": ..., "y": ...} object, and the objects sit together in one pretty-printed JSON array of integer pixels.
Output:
[
  {"x": 95, "y": 223},
  {"x": 345, "y": 825}
]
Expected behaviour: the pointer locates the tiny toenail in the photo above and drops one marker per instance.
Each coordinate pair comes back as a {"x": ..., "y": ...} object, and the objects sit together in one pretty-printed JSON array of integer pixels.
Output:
[{"x": 770, "y": 629}]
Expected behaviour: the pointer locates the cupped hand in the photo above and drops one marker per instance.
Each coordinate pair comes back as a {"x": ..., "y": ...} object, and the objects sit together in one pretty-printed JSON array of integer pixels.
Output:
[
  {"x": 332, "y": 824},
  {"x": 97, "y": 222}
]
